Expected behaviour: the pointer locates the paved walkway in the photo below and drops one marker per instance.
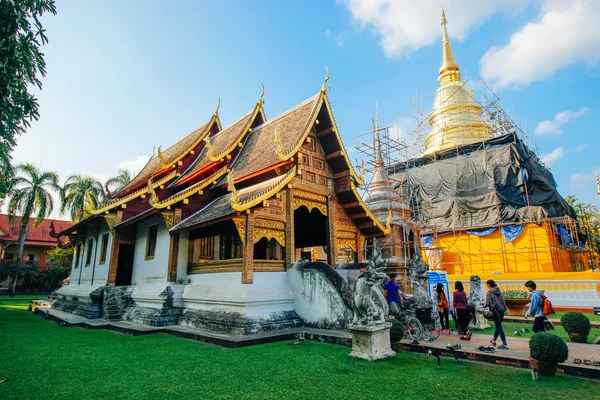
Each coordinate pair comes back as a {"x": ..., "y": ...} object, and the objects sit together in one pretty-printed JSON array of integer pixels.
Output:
[{"x": 517, "y": 355}]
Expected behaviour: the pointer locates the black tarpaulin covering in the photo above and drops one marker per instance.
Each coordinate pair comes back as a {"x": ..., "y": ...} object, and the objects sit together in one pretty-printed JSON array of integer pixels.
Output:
[{"x": 480, "y": 185}]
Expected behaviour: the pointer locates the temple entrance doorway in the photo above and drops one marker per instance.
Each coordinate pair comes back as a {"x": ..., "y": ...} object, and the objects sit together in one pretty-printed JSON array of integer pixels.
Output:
[
  {"x": 311, "y": 232},
  {"x": 125, "y": 264}
]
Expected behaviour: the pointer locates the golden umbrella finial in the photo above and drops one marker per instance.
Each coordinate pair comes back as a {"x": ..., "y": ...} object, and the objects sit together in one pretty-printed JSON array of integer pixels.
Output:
[{"x": 444, "y": 21}]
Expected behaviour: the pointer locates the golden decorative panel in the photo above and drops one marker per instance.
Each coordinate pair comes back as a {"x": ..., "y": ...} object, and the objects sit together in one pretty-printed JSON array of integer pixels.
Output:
[
  {"x": 278, "y": 235},
  {"x": 310, "y": 205},
  {"x": 346, "y": 235},
  {"x": 310, "y": 196},
  {"x": 347, "y": 243},
  {"x": 264, "y": 223},
  {"x": 240, "y": 225}
]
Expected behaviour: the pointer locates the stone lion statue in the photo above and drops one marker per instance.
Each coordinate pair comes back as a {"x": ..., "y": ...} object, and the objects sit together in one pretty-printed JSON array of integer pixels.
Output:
[{"x": 370, "y": 307}]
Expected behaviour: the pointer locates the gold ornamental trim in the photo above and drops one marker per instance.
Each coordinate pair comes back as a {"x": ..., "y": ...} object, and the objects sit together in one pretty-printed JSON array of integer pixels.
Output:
[
  {"x": 140, "y": 192},
  {"x": 347, "y": 243},
  {"x": 278, "y": 235},
  {"x": 240, "y": 225},
  {"x": 346, "y": 235},
  {"x": 265, "y": 223},
  {"x": 184, "y": 194},
  {"x": 311, "y": 196},
  {"x": 310, "y": 205},
  {"x": 258, "y": 198}
]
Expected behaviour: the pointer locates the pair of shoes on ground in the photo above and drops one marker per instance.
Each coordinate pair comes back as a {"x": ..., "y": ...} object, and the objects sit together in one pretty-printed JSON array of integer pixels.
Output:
[
  {"x": 467, "y": 336},
  {"x": 486, "y": 349},
  {"x": 587, "y": 362},
  {"x": 503, "y": 346},
  {"x": 453, "y": 346}
]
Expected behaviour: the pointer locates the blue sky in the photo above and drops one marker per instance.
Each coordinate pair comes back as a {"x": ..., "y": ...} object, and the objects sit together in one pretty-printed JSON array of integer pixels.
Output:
[{"x": 124, "y": 77}]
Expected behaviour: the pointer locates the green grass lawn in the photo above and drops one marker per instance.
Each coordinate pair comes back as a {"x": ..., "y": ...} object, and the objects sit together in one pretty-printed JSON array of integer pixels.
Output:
[
  {"x": 23, "y": 296},
  {"x": 41, "y": 360}
]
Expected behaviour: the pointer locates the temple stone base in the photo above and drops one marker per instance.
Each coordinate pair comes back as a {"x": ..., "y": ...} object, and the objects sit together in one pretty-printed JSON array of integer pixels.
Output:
[
  {"x": 219, "y": 302},
  {"x": 85, "y": 301},
  {"x": 371, "y": 342}
]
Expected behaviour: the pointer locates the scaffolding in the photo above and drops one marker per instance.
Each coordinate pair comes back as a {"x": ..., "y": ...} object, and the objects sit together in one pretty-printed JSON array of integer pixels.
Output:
[{"x": 470, "y": 257}]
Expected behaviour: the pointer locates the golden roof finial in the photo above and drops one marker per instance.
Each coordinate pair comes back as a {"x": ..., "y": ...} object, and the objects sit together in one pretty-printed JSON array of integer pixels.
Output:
[
  {"x": 231, "y": 188},
  {"x": 88, "y": 205},
  {"x": 161, "y": 157},
  {"x": 216, "y": 113},
  {"x": 324, "y": 87},
  {"x": 597, "y": 181},
  {"x": 449, "y": 69},
  {"x": 153, "y": 196},
  {"x": 211, "y": 152},
  {"x": 260, "y": 100}
]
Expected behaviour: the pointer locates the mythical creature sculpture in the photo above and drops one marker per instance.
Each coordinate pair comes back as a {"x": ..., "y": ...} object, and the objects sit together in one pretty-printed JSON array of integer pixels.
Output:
[
  {"x": 370, "y": 307},
  {"x": 418, "y": 279},
  {"x": 476, "y": 303}
]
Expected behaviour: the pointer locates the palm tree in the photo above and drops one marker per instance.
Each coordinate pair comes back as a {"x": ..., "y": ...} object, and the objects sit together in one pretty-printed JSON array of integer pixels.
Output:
[
  {"x": 74, "y": 194},
  {"x": 117, "y": 183},
  {"x": 30, "y": 189}
]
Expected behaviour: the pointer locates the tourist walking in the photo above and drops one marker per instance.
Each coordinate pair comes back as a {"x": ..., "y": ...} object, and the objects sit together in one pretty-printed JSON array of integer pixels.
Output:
[
  {"x": 461, "y": 310},
  {"x": 536, "y": 307},
  {"x": 391, "y": 291},
  {"x": 495, "y": 302},
  {"x": 441, "y": 304}
]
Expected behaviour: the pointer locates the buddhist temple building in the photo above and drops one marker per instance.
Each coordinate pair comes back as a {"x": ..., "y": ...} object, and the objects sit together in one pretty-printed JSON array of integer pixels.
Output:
[
  {"x": 486, "y": 204},
  {"x": 204, "y": 234}
]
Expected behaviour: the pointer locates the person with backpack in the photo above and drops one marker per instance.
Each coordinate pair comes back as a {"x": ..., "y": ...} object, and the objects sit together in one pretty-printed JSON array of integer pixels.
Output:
[
  {"x": 536, "y": 307},
  {"x": 461, "y": 309},
  {"x": 442, "y": 307},
  {"x": 495, "y": 302}
]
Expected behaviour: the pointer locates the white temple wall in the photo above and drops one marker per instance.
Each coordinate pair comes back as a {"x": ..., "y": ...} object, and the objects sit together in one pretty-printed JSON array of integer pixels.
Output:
[{"x": 151, "y": 270}]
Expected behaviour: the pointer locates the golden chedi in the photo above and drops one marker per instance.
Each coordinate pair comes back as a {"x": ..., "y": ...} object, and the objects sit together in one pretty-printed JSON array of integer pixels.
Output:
[{"x": 456, "y": 116}]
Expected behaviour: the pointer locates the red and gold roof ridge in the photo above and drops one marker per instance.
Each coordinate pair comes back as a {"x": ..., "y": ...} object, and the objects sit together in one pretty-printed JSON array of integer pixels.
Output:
[
  {"x": 223, "y": 143},
  {"x": 165, "y": 160}
]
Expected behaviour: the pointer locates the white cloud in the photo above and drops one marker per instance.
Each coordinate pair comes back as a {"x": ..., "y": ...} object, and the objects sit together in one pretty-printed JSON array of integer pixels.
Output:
[
  {"x": 579, "y": 149},
  {"x": 555, "y": 155},
  {"x": 580, "y": 180},
  {"x": 327, "y": 33},
  {"x": 135, "y": 166},
  {"x": 566, "y": 33},
  {"x": 552, "y": 127},
  {"x": 407, "y": 25}
]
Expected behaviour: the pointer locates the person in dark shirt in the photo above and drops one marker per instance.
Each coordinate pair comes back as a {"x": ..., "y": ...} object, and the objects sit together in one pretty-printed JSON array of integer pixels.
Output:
[
  {"x": 391, "y": 291},
  {"x": 461, "y": 309}
]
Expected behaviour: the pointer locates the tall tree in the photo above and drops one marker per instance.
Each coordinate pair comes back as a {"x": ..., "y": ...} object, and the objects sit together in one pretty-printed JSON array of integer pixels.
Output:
[
  {"x": 588, "y": 217},
  {"x": 75, "y": 192},
  {"x": 21, "y": 63},
  {"x": 31, "y": 197},
  {"x": 117, "y": 183}
]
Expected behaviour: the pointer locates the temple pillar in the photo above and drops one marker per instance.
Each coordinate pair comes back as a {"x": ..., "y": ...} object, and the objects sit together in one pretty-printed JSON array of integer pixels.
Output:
[
  {"x": 173, "y": 258},
  {"x": 248, "y": 251},
  {"x": 290, "y": 250},
  {"x": 114, "y": 259},
  {"x": 331, "y": 219}
]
